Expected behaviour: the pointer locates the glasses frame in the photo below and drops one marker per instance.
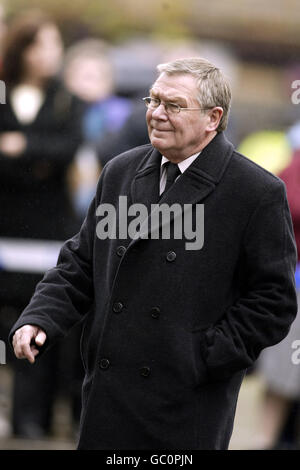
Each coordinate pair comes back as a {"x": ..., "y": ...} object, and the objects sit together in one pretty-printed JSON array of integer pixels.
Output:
[{"x": 167, "y": 104}]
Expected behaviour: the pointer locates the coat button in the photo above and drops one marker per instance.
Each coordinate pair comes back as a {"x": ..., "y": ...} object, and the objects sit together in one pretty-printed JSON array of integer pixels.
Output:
[
  {"x": 104, "y": 364},
  {"x": 171, "y": 256},
  {"x": 145, "y": 371},
  {"x": 121, "y": 250},
  {"x": 155, "y": 311},
  {"x": 117, "y": 307}
]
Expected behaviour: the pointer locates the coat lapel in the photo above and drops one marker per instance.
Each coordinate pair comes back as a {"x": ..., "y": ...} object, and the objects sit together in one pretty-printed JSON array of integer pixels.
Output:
[
  {"x": 195, "y": 184},
  {"x": 145, "y": 185}
]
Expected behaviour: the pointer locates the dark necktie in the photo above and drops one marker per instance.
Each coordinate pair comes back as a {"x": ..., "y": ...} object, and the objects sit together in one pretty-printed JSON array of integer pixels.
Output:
[{"x": 172, "y": 173}]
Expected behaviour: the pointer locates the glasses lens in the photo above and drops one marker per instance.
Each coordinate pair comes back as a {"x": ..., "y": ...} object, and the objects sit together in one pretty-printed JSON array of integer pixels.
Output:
[
  {"x": 151, "y": 102},
  {"x": 172, "y": 108},
  {"x": 154, "y": 103}
]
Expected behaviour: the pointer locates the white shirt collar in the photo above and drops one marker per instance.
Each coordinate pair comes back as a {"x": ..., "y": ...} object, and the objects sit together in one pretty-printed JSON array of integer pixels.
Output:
[{"x": 184, "y": 164}]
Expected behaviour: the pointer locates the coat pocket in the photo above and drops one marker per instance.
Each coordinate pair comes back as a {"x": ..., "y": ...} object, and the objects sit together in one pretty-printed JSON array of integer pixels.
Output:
[{"x": 180, "y": 359}]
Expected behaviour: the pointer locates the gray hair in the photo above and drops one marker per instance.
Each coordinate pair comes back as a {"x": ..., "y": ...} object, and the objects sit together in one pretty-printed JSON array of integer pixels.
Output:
[{"x": 213, "y": 87}]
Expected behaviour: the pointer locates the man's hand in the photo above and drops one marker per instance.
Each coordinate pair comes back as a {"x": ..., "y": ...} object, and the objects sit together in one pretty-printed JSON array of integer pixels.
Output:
[{"x": 25, "y": 342}]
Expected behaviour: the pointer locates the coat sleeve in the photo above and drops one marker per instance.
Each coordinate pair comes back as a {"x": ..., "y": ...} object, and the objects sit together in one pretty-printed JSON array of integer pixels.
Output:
[
  {"x": 262, "y": 316},
  {"x": 66, "y": 292}
]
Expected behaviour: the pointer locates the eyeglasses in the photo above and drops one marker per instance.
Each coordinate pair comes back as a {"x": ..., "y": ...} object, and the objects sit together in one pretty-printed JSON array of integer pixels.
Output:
[{"x": 171, "y": 108}]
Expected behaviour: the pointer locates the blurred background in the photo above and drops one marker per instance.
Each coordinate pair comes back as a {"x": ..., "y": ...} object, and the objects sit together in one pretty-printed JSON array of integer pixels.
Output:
[{"x": 75, "y": 74}]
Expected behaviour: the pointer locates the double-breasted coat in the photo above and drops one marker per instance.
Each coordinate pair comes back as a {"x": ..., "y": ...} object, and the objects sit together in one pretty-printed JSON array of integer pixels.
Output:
[{"x": 169, "y": 332}]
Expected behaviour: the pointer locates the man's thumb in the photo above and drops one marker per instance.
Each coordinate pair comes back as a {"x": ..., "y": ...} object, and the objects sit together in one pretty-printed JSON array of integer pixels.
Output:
[{"x": 40, "y": 338}]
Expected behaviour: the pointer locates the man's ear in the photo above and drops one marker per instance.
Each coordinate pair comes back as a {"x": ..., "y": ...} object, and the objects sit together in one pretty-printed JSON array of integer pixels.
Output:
[{"x": 215, "y": 117}]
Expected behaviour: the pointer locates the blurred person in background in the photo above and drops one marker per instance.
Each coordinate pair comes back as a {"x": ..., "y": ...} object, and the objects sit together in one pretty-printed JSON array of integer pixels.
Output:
[
  {"x": 88, "y": 73},
  {"x": 280, "y": 419},
  {"x": 132, "y": 134},
  {"x": 39, "y": 135}
]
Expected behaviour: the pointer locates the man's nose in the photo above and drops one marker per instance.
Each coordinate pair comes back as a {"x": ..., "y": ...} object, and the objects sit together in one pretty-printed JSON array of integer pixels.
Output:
[{"x": 160, "y": 113}]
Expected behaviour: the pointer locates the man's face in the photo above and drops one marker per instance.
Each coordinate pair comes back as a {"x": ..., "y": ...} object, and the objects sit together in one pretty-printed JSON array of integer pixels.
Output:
[{"x": 177, "y": 136}]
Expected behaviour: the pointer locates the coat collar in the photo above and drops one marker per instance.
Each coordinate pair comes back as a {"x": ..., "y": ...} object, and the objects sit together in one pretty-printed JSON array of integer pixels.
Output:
[
  {"x": 196, "y": 183},
  {"x": 200, "y": 178}
]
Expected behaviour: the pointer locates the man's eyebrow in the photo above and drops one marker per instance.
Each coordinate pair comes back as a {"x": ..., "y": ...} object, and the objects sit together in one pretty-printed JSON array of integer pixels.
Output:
[{"x": 171, "y": 99}]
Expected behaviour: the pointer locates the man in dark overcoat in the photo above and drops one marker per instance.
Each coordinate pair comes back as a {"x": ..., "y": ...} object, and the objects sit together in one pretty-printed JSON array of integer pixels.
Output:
[{"x": 171, "y": 326}]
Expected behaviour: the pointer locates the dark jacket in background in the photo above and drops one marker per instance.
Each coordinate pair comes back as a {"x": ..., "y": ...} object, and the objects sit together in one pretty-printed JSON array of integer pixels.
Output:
[
  {"x": 170, "y": 332},
  {"x": 132, "y": 134},
  {"x": 34, "y": 195}
]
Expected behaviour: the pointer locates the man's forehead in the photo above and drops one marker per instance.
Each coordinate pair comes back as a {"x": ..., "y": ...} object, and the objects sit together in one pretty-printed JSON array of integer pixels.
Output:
[{"x": 175, "y": 86}]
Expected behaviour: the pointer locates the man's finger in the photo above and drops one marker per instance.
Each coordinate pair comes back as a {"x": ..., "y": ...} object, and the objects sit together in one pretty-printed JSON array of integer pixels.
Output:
[
  {"x": 40, "y": 338},
  {"x": 26, "y": 352},
  {"x": 21, "y": 343}
]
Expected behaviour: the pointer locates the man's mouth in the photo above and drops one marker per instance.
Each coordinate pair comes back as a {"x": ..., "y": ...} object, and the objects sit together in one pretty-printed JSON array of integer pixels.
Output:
[{"x": 161, "y": 130}]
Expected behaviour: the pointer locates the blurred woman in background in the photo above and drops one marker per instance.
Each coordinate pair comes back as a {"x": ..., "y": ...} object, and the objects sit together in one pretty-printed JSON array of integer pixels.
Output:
[{"x": 39, "y": 135}]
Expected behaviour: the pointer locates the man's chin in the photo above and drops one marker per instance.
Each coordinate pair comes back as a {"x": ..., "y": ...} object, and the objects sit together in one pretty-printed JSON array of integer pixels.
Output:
[
  {"x": 159, "y": 147},
  {"x": 159, "y": 142}
]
